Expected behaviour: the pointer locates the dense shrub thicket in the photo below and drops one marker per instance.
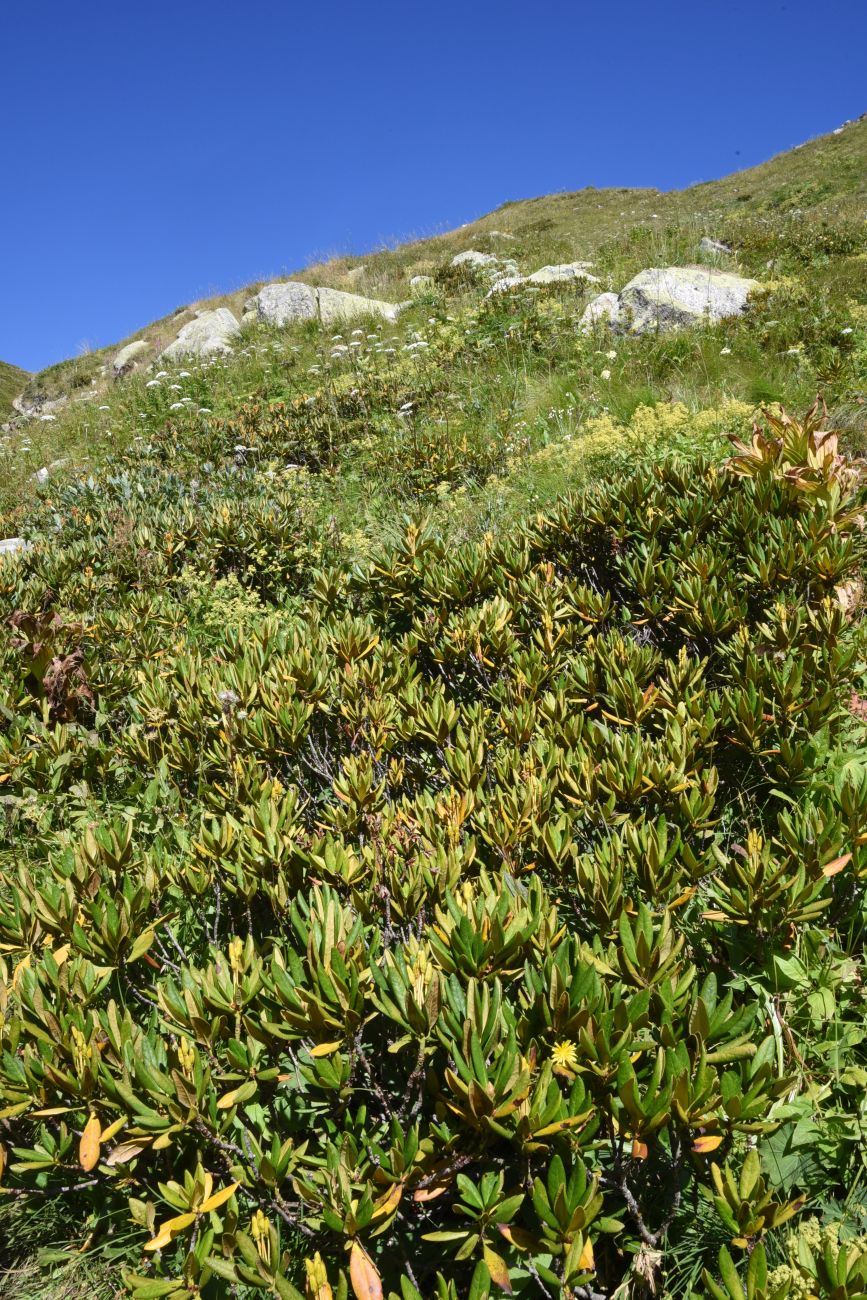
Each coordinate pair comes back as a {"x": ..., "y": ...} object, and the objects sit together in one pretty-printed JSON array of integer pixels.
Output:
[{"x": 480, "y": 920}]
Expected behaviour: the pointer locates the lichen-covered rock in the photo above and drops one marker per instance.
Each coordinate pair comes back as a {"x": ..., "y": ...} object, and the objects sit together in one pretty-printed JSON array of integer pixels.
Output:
[
  {"x": 208, "y": 335},
  {"x": 665, "y": 298},
  {"x": 601, "y": 310},
  {"x": 283, "y": 303},
  {"x": 128, "y": 356}
]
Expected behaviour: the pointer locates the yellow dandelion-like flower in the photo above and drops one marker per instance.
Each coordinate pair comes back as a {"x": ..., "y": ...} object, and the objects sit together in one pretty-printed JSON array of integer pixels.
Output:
[{"x": 564, "y": 1056}]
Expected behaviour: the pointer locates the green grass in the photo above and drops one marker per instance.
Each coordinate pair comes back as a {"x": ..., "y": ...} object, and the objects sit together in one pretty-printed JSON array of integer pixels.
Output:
[{"x": 12, "y": 383}]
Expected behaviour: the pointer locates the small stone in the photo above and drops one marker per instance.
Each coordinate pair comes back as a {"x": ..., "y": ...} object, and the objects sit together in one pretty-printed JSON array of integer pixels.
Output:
[
  {"x": 563, "y": 271},
  {"x": 13, "y": 546},
  {"x": 713, "y": 246},
  {"x": 473, "y": 258}
]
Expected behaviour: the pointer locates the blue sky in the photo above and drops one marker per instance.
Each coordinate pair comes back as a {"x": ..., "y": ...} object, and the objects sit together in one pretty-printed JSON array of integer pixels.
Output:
[{"x": 156, "y": 152}]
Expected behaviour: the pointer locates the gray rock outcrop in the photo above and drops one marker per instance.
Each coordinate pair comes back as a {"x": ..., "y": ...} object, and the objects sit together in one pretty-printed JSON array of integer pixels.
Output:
[
  {"x": 283, "y": 303},
  {"x": 335, "y": 305},
  {"x": 210, "y": 334}
]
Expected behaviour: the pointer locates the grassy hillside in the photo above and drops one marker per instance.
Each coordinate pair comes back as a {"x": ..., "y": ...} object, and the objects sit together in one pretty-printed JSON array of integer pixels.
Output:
[
  {"x": 433, "y": 862},
  {"x": 12, "y": 383}
]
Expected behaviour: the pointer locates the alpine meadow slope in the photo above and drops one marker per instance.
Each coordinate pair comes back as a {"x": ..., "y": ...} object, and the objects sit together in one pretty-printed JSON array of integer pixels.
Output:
[{"x": 433, "y": 862}]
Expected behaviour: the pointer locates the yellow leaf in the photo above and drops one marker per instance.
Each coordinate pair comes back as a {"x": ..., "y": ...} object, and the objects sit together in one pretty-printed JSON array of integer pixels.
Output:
[
  {"x": 112, "y": 1130},
  {"x": 325, "y": 1049},
  {"x": 498, "y": 1269},
  {"x": 228, "y": 1099},
  {"x": 572, "y": 1121},
  {"x": 366, "y": 1282},
  {"x": 388, "y": 1204},
  {"x": 518, "y": 1237},
  {"x": 702, "y": 1145},
  {"x": 218, "y": 1199},
  {"x": 89, "y": 1144},
  {"x": 170, "y": 1229},
  {"x": 586, "y": 1260}
]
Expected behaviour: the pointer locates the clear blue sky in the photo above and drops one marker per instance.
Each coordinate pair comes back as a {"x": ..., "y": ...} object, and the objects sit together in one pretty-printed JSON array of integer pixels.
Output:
[{"x": 154, "y": 152}]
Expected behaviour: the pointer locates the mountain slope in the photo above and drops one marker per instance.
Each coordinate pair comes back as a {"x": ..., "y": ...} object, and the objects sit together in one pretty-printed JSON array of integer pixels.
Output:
[
  {"x": 434, "y": 844},
  {"x": 823, "y": 179},
  {"x": 433, "y": 859}
]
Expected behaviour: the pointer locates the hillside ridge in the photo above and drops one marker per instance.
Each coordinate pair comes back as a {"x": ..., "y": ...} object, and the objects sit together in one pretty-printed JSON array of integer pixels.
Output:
[{"x": 829, "y": 170}]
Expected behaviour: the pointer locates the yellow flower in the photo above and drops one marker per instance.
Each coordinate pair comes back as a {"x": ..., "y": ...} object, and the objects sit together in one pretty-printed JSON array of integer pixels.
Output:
[{"x": 565, "y": 1057}]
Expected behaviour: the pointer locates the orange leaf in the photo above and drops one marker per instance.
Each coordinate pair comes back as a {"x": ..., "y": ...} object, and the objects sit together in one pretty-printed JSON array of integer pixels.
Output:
[
  {"x": 831, "y": 868},
  {"x": 366, "y": 1282},
  {"x": 639, "y": 1149},
  {"x": 432, "y": 1191},
  {"x": 88, "y": 1146},
  {"x": 703, "y": 1145}
]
